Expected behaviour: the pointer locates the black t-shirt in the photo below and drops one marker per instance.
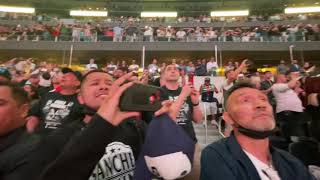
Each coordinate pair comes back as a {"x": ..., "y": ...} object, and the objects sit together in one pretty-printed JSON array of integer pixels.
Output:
[
  {"x": 96, "y": 151},
  {"x": 184, "y": 118},
  {"x": 56, "y": 110},
  {"x": 118, "y": 160}
]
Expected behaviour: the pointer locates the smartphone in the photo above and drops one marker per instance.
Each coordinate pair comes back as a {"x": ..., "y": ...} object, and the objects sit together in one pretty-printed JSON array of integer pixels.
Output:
[
  {"x": 191, "y": 79},
  {"x": 141, "y": 98}
]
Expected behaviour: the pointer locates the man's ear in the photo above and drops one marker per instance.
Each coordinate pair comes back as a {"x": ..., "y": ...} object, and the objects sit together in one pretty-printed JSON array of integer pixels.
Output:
[
  {"x": 23, "y": 110},
  {"x": 78, "y": 83},
  {"x": 80, "y": 98},
  {"x": 227, "y": 118}
]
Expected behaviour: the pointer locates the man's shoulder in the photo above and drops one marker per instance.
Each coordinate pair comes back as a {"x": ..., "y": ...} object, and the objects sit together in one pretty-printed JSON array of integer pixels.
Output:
[
  {"x": 284, "y": 155},
  {"x": 219, "y": 153},
  {"x": 218, "y": 147},
  {"x": 286, "y": 161}
]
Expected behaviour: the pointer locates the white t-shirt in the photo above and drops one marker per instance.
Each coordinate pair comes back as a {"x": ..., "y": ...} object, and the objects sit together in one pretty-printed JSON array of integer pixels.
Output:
[
  {"x": 211, "y": 65},
  {"x": 265, "y": 172},
  {"x": 181, "y": 34},
  {"x": 111, "y": 68},
  {"x": 225, "y": 86},
  {"x": 89, "y": 66},
  {"x": 286, "y": 98},
  {"x": 133, "y": 67}
]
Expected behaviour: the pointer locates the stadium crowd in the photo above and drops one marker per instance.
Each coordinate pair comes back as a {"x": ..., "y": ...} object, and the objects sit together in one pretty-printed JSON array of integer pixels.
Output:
[
  {"x": 73, "y": 128},
  {"x": 202, "y": 18},
  {"x": 131, "y": 32}
]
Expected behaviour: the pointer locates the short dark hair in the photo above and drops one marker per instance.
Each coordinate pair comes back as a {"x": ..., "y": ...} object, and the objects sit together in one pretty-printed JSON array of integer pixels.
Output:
[
  {"x": 236, "y": 86},
  {"x": 84, "y": 77},
  {"x": 18, "y": 94}
]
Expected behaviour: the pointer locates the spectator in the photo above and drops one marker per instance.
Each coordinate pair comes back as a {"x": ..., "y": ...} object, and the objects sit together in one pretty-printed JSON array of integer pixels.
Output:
[
  {"x": 118, "y": 32},
  {"x": 294, "y": 67},
  {"x": 34, "y": 80},
  {"x": 212, "y": 35},
  {"x": 161, "y": 34},
  {"x": 266, "y": 85},
  {"x": 289, "y": 108},
  {"x": 212, "y": 66},
  {"x": 32, "y": 93},
  {"x": 181, "y": 35},
  {"x": 255, "y": 80},
  {"x": 56, "y": 109},
  {"x": 230, "y": 66},
  {"x": 16, "y": 144},
  {"x": 76, "y": 31},
  {"x": 108, "y": 34},
  {"x": 211, "y": 103},
  {"x": 237, "y": 157},
  {"x": 148, "y": 34},
  {"x": 186, "y": 96},
  {"x": 4, "y": 75},
  {"x": 190, "y": 69},
  {"x": 119, "y": 72},
  {"x": 133, "y": 66},
  {"x": 200, "y": 69},
  {"x": 153, "y": 68},
  {"x": 282, "y": 67},
  {"x": 131, "y": 32},
  {"x": 116, "y": 134},
  {"x": 111, "y": 67},
  {"x": 128, "y": 138},
  {"x": 231, "y": 76},
  {"x": 56, "y": 80},
  {"x": 87, "y": 32},
  {"x": 92, "y": 65},
  {"x": 308, "y": 67},
  {"x": 182, "y": 66}
]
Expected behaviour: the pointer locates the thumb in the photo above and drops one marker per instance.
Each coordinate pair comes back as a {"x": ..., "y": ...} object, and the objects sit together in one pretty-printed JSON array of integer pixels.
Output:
[{"x": 126, "y": 115}]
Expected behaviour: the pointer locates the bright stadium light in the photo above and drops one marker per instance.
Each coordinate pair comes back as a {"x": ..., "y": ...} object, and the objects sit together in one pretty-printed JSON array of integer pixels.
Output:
[
  {"x": 229, "y": 13},
  {"x": 89, "y": 13},
  {"x": 17, "y": 9},
  {"x": 159, "y": 14},
  {"x": 310, "y": 9}
]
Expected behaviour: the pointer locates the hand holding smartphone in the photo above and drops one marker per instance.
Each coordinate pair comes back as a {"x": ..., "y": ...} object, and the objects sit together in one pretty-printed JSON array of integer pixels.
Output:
[{"x": 141, "y": 97}]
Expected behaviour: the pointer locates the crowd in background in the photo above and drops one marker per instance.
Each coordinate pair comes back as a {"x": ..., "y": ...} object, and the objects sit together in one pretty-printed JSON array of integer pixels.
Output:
[
  {"x": 131, "y": 32},
  {"x": 55, "y": 92},
  {"x": 21, "y": 70}
]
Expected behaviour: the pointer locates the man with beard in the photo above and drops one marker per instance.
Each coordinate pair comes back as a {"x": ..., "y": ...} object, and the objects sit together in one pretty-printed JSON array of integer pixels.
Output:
[{"x": 247, "y": 153}]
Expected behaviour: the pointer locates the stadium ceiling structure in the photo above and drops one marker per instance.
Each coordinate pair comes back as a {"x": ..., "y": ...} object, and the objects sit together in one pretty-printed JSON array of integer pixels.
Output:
[{"x": 183, "y": 7}]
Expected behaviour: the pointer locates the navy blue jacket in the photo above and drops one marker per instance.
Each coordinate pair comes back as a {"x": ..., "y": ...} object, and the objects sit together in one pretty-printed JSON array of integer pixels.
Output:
[{"x": 226, "y": 160}]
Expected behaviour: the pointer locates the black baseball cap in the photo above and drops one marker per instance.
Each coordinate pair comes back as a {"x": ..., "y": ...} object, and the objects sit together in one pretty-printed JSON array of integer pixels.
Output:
[
  {"x": 5, "y": 73},
  {"x": 78, "y": 74}
]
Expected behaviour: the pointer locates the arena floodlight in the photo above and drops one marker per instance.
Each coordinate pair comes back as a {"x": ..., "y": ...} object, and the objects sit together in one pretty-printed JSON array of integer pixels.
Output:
[
  {"x": 14, "y": 9},
  {"x": 159, "y": 14},
  {"x": 229, "y": 13},
  {"x": 89, "y": 13},
  {"x": 310, "y": 9}
]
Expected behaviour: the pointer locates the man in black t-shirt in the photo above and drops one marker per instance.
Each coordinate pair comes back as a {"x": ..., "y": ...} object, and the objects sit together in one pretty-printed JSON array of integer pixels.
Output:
[
  {"x": 116, "y": 147},
  {"x": 56, "y": 109},
  {"x": 187, "y": 97}
]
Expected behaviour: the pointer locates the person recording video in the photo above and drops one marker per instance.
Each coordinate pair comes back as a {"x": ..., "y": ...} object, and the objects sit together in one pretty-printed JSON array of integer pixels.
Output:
[{"x": 84, "y": 149}]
